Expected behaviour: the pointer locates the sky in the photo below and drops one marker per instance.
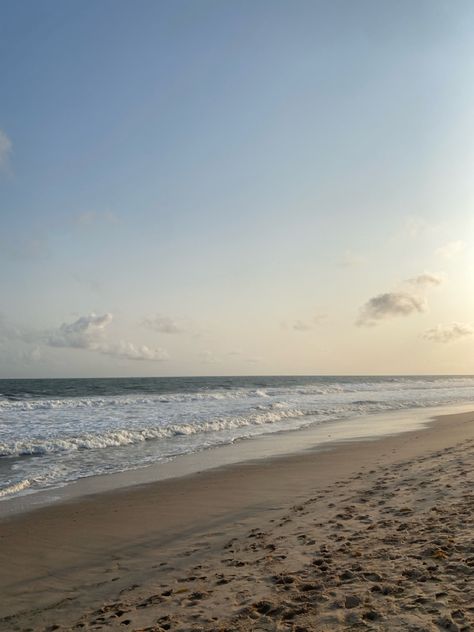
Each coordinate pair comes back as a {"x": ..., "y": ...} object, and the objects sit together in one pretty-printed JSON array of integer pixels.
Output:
[{"x": 236, "y": 187}]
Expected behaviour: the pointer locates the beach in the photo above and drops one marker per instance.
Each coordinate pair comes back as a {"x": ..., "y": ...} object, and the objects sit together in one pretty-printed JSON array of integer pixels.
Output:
[
  {"x": 363, "y": 535},
  {"x": 237, "y": 319}
]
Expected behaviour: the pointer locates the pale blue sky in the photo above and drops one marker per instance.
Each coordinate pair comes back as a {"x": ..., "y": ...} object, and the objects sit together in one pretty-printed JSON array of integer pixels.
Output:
[{"x": 246, "y": 174}]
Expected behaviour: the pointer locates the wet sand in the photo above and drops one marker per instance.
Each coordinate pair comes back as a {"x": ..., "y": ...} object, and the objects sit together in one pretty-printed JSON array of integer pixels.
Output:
[{"x": 368, "y": 535}]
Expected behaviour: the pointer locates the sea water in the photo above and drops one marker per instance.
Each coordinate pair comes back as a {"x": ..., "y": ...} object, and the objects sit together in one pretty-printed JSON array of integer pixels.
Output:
[{"x": 53, "y": 432}]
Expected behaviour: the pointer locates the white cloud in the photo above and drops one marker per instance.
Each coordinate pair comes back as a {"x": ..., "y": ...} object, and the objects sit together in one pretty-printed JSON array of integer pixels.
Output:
[
  {"x": 425, "y": 280},
  {"x": 164, "y": 325},
  {"x": 451, "y": 250},
  {"x": 83, "y": 333},
  {"x": 448, "y": 333},
  {"x": 130, "y": 351},
  {"x": 389, "y": 305},
  {"x": 87, "y": 332},
  {"x": 5, "y": 150}
]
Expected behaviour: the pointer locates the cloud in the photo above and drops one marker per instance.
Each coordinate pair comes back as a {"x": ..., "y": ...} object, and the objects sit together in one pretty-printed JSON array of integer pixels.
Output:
[
  {"x": 164, "y": 325},
  {"x": 87, "y": 333},
  {"x": 425, "y": 280},
  {"x": 389, "y": 305},
  {"x": 5, "y": 150},
  {"x": 408, "y": 300},
  {"x": 451, "y": 250},
  {"x": 448, "y": 333},
  {"x": 351, "y": 260},
  {"x": 130, "y": 351},
  {"x": 305, "y": 325},
  {"x": 83, "y": 333}
]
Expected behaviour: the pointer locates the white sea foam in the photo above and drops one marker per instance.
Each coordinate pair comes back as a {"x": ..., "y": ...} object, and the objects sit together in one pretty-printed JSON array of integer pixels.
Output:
[{"x": 124, "y": 436}]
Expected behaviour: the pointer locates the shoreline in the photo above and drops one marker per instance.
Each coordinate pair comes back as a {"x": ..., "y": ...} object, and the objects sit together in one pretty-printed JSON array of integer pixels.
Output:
[
  {"x": 317, "y": 438},
  {"x": 60, "y": 563}
]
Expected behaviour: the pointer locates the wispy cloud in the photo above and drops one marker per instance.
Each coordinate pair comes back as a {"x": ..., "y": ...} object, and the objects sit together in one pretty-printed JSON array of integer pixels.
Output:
[
  {"x": 305, "y": 325},
  {"x": 164, "y": 324},
  {"x": 5, "y": 151},
  {"x": 425, "y": 280},
  {"x": 131, "y": 351},
  {"x": 451, "y": 250},
  {"x": 448, "y": 333}
]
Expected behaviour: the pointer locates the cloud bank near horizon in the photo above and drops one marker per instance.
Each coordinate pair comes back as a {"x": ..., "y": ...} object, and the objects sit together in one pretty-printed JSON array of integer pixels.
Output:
[{"x": 86, "y": 333}]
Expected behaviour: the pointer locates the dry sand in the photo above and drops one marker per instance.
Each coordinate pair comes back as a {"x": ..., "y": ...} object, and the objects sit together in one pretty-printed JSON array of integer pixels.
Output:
[{"x": 368, "y": 536}]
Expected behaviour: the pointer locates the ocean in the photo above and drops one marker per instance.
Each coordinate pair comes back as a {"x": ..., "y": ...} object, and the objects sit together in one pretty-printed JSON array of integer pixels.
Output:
[{"x": 53, "y": 432}]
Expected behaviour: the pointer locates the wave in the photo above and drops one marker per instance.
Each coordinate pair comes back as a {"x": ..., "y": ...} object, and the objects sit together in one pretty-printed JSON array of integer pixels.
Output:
[
  {"x": 111, "y": 401},
  {"x": 320, "y": 389},
  {"x": 127, "y": 436},
  {"x": 15, "y": 488},
  {"x": 260, "y": 415}
]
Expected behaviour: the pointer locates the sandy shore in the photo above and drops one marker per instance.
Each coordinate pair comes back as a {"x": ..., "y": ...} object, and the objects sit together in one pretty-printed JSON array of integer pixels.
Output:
[{"x": 371, "y": 535}]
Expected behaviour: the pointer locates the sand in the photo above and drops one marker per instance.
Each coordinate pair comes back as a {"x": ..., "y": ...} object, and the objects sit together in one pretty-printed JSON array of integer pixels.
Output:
[{"x": 367, "y": 536}]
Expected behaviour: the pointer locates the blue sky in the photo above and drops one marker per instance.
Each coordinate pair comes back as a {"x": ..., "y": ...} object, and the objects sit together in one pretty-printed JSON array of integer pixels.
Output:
[{"x": 232, "y": 183}]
